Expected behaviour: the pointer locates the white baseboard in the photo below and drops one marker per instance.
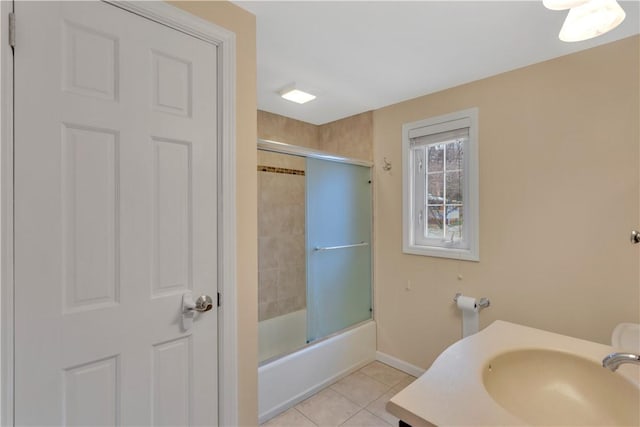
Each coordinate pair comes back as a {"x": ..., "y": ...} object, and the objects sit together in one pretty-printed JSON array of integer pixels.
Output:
[{"x": 394, "y": 362}]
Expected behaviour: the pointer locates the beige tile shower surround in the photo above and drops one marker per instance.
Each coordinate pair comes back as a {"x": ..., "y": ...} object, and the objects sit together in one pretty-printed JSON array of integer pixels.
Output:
[
  {"x": 281, "y": 236},
  {"x": 349, "y": 137},
  {"x": 281, "y": 203}
]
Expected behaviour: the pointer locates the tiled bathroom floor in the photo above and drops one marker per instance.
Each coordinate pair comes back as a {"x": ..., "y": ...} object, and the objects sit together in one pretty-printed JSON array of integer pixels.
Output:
[{"x": 356, "y": 400}]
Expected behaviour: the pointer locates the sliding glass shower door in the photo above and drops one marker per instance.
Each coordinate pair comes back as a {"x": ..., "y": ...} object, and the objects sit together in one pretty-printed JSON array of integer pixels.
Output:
[{"x": 338, "y": 246}]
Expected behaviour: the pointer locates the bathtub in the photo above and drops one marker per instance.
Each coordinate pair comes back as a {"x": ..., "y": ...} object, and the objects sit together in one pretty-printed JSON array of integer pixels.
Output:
[{"x": 284, "y": 382}]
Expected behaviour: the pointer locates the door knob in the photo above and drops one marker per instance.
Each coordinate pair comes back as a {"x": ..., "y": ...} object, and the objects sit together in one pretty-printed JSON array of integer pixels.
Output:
[
  {"x": 635, "y": 236},
  {"x": 202, "y": 304}
]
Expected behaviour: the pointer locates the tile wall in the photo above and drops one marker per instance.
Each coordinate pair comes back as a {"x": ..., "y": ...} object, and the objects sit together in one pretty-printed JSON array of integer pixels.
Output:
[
  {"x": 349, "y": 137},
  {"x": 281, "y": 235},
  {"x": 274, "y": 127},
  {"x": 281, "y": 202}
]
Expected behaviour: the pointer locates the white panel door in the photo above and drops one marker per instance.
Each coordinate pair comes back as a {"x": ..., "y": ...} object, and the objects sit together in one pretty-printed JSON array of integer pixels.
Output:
[{"x": 115, "y": 219}]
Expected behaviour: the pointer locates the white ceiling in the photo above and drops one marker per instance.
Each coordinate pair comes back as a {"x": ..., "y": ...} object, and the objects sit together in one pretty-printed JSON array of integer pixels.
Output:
[{"x": 357, "y": 56}]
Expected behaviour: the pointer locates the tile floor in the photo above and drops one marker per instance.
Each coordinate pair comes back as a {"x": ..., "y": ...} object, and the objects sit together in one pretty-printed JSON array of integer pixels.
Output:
[{"x": 356, "y": 400}]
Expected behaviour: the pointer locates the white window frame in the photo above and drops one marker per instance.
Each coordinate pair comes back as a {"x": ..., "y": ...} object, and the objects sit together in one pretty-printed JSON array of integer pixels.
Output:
[{"x": 469, "y": 249}]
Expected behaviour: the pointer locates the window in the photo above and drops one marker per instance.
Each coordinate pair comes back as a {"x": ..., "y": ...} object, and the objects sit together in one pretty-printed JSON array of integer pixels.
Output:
[{"x": 440, "y": 186}]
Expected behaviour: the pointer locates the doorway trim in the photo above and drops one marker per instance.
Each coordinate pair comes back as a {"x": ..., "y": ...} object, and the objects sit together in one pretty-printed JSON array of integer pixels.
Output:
[{"x": 175, "y": 18}]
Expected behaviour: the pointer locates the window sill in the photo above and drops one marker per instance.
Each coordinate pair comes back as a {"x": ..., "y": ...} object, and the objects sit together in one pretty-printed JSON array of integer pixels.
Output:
[{"x": 439, "y": 252}]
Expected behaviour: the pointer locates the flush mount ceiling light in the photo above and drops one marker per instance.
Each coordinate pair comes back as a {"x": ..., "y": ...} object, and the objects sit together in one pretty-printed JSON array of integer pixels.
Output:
[
  {"x": 591, "y": 19},
  {"x": 296, "y": 95}
]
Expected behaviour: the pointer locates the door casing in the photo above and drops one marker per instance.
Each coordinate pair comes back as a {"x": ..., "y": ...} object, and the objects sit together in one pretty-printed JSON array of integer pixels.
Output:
[{"x": 224, "y": 39}]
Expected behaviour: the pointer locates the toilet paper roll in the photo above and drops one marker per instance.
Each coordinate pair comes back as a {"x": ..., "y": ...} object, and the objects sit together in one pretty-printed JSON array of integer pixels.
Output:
[{"x": 470, "y": 318}]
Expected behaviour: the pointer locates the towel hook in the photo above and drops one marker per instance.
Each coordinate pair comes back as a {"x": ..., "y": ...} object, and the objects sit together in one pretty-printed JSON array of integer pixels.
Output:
[{"x": 387, "y": 165}]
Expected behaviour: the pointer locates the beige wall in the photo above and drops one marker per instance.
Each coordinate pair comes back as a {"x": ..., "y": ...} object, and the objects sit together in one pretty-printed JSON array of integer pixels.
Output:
[
  {"x": 349, "y": 137},
  {"x": 242, "y": 23},
  {"x": 559, "y": 195}
]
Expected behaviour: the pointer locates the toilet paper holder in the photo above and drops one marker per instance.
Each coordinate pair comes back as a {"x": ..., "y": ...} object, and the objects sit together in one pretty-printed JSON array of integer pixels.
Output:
[{"x": 482, "y": 302}]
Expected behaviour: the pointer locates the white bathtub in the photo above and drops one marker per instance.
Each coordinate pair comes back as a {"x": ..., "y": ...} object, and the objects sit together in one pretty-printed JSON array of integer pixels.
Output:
[{"x": 292, "y": 378}]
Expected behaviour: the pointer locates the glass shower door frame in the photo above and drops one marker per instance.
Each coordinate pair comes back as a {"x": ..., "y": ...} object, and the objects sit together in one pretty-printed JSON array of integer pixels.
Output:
[{"x": 278, "y": 147}]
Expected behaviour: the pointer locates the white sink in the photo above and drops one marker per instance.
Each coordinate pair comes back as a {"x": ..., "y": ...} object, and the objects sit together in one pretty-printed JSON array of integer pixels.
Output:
[
  {"x": 538, "y": 385},
  {"x": 509, "y": 374}
]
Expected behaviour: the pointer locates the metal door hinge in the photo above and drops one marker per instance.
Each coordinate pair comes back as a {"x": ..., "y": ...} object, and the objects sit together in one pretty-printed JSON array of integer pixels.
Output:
[
  {"x": 12, "y": 29},
  {"x": 219, "y": 299}
]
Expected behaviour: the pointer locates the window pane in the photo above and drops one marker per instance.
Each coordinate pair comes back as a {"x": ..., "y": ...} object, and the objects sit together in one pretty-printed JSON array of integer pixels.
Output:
[
  {"x": 435, "y": 222},
  {"x": 454, "y": 187},
  {"x": 435, "y": 158},
  {"x": 435, "y": 188},
  {"x": 440, "y": 163},
  {"x": 455, "y": 155},
  {"x": 454, "y": 223}
]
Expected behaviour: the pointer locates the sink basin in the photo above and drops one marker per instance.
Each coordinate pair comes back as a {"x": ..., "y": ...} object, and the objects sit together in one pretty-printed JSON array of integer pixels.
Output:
[
  {"x": 538, "y": 385},
  {"x": 514, "y": 375}
]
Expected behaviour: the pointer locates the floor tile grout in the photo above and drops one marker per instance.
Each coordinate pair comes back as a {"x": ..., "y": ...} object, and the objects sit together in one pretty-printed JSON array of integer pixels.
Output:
[
  {"x": 345, "y": 421},
  {"x": 375, "y": 415},
  {"x": 356, "y": 403},
  {"x": 300, "y": 412},
  {"x": 344, "y": 394}
]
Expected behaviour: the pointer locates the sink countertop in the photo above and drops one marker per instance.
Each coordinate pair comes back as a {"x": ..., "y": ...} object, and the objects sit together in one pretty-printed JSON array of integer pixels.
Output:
[{"x": 451, "y": 392}]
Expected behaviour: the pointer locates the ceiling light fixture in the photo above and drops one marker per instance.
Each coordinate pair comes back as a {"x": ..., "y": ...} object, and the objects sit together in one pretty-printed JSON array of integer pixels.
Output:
[
  {"x": 296, "y": 95},
  {"x": 591, "y": 19}
]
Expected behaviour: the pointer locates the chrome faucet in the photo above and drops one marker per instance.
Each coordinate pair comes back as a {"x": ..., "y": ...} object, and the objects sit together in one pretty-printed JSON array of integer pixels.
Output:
[{"x": 614, "y": 360}]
